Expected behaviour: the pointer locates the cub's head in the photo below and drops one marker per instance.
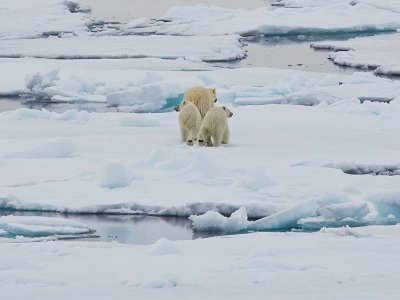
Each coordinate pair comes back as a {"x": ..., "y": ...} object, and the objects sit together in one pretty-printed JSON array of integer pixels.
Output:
[
  {"x": 227, "y": 111},
  {"x": 214, "y": 93},
  {"x": 180, "y": 106}
]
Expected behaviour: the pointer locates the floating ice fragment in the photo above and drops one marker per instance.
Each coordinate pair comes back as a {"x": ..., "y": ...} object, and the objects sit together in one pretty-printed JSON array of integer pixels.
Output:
[
  {"x": 214, "y": 221},
  {"x": 26, "y": 226}
]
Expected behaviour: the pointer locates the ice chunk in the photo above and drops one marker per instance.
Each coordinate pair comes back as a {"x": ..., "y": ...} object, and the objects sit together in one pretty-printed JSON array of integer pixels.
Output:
[
  {"x": 342, "y": 210},
  {"x": 39, "y": 81},
  {"x": 41, "y": 226},
  {"x": 286, "y": 219},
  {"x": 149, "y": 97},
  {"x": 25, "y": 113},
  {"x": 213, "y": 221}
]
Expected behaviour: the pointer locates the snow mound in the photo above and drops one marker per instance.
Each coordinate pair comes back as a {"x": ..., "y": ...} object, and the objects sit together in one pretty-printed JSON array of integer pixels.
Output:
[
  {"x": 204, "y": 169},
  {"x": 256, "y": 180},
  {"x": 25, "y": 226},
  {"x": 165, "y": 247},
  {"x": 115, "y": 175}
]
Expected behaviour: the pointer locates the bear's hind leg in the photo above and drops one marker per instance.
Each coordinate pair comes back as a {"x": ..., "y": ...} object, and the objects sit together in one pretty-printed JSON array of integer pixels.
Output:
[
  {"x": 225, "y": 136},
  {"x": 217, "y": 138},
  {"x": 184, "y": 134}
]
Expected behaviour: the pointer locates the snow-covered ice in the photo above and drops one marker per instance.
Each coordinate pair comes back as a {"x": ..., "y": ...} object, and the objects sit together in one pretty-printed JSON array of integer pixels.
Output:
[
  {"x": 380, "y": 53},
  {"x": 308, "y": 152},
  {"x": 343, "y": 263},
  {"x": 287, "y": 168},
  {"x": 332, "y": 17},
  {"x": 31, "y": 19},
  {"x": 195, "y": 48}
]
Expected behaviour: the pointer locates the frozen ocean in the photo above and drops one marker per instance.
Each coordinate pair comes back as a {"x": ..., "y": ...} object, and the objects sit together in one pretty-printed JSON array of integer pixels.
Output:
[{"x": 101, "y": 199}]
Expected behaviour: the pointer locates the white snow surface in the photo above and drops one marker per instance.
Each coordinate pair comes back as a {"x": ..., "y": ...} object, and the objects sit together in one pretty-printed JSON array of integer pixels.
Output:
[
  {"x": 195, "y": 48},
  {"x": 288, "y": 168},
  {"x": 32, "y": 19},
  {"x": 342, "y": 263},
  {"x": 333, "y": 16},
  {"x": 379, "y": 52}
]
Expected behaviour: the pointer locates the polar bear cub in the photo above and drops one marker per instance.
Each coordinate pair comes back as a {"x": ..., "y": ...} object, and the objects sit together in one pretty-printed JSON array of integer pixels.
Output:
[
  {"x": 214, "y": 128},
  {"x": 189, "y": 121},
  {"x": 204, "y": 98}
]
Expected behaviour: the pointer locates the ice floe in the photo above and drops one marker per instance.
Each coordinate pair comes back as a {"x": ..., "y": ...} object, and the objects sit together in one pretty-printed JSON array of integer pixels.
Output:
[
  {"x": 25, "y": 226},
  {"x": 332, "y": 17},
  {"x": 286, "y": 169},
  {"x": 136, "y": 90},
  {"x": 194, "y": 48},
  {"x": 21, "y": 19},
  {"x": 348, "y": 262},
  {"x": 379, "y": 53}
]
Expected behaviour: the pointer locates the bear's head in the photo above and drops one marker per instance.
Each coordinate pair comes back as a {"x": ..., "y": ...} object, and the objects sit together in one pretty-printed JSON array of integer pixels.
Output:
[
  {"x": 179, "y": 106},
  {"x": 214, "y": 93},
  {"x": 227, "y": 111}
]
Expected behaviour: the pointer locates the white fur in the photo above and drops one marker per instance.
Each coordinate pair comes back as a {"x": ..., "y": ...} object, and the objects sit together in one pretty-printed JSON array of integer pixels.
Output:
[
  {"x": 214, "y": 129},
  {"x": 204, "y": 98},
  {"x": 189, "y": 122}
]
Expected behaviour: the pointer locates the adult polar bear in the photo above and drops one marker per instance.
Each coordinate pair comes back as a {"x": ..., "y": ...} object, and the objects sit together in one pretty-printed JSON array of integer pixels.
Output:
[
  {"x": 204, "y": 98},
  {"x": 214, "y": 128}
]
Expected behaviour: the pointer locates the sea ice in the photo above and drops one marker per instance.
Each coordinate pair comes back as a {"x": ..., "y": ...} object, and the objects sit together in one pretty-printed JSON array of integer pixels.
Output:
[
  {"x": 197, "y": 48},
  {"x": 378, "y": 52},
  {"x": 333, "y": 17},
  {"x": 22, "y": 19},
  {"x": 25, "y": 226}
]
